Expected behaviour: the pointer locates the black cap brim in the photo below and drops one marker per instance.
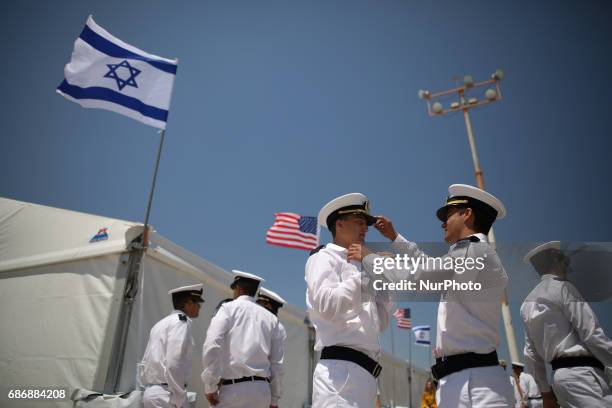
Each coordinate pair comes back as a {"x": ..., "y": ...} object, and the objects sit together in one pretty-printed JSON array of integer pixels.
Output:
[
  {"x": 442, "y": 213},
  {"x": 370, "y": 220}
]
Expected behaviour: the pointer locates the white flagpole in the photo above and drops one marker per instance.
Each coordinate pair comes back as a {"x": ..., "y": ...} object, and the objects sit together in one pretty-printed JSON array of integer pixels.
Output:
[{"x": 145, "y": 237}]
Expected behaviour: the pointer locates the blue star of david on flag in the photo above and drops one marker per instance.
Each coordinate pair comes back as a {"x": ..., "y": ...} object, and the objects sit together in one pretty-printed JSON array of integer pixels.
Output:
[
  {"x": 102, "y": 74},
  {"x": 122, "y": 83}
]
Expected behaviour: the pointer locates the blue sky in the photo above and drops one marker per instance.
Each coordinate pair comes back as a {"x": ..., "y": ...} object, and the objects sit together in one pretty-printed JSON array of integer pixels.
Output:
[{"x": 283, "y": 105}]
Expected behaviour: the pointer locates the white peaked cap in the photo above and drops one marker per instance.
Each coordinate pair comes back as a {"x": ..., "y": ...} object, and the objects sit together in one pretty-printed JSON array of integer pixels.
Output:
[
  {"x": 272, "y": 295},
  {"x": 355, "y": 203},
  {"x": 541, "y": 248}
]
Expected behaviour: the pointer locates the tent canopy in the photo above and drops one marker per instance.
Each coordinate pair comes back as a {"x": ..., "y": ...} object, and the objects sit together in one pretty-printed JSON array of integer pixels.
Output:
[{"x": 33, "y": 235}]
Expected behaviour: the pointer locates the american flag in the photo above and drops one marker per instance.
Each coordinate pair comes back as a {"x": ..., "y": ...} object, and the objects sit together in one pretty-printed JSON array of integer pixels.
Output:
[
  {"x": 293, "y": 231},
  {"x": 403, "y": 318}
]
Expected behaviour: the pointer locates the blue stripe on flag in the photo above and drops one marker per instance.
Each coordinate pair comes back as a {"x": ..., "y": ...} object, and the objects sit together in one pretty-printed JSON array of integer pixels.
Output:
[
  {"x": 111, "y": 49},
  {"x": 422, "y": 342},
  {"x": 105, "y": 94}
]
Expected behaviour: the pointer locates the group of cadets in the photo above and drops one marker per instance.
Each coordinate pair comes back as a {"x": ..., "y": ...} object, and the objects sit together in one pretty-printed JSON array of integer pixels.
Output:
[
  {"x": 242, "y": 356},
  {"x": 243, "y": 352},
  {"x": 560, "y": 327}
]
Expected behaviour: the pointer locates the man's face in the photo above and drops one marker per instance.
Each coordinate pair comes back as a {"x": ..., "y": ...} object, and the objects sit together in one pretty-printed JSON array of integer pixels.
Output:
[
  {"x": 455, "y": 224},
  {"x": 192, "y": 308},
  {"x": 354, "y": 229}
]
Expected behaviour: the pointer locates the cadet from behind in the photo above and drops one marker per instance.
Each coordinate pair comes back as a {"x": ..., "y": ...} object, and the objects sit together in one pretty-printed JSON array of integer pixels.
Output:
[
  {"x": 562, "y": 329},
  {"x": 272, "y": 301},
  {"x": 243, "y": 353},
  {"x": 166, "y": 365}
]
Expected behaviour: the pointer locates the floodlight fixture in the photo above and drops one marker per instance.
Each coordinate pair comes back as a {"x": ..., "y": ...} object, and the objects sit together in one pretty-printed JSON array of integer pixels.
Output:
[
  {"x": 491, "y": 94},
  {"x": 424, "y": 94},
  {"x": 498, "y": 75}
]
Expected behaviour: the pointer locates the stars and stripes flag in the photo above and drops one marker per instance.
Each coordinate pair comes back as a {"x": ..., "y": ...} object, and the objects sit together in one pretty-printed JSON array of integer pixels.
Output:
[
  {"x": 293, "y": 231},
  {"x": 403, "y": 318},
  {"x": 422, "y": 335},
  {"x": 107, "y": 73}
]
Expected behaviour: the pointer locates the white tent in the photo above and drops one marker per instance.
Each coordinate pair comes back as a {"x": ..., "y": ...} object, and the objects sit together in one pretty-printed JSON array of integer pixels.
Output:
[{"x": 78, "y": 298}]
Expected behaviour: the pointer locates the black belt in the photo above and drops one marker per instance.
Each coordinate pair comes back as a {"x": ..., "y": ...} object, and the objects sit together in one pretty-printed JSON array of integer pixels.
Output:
[
  {"x": 452, "y": 364},
  {"x": 354, "y": 356},
  {"x": 578, "y": 361},
  {"x": 243, "y": 379}
]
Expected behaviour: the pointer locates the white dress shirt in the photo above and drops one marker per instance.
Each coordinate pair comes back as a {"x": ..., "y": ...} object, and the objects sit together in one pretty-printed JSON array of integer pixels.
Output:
[
  {"x": 529, "y": 389},
  {"x": 468, "y": 321},
  {"x": 559, "y": 323},
  {"x": 343, "y": 314},
  {"x": 168, "y": 356},
  {"x": 243, "y": 340}
]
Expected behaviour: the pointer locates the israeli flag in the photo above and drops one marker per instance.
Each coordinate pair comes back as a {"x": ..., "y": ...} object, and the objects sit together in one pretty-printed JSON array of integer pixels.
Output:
[
  {"x": 422, "y": 335},
  {"x": 107, "y": 73}
]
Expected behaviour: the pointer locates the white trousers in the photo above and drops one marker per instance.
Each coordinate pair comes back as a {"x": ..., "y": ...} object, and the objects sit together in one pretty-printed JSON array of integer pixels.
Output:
[
  {"x": 340, "y": 384},
  {"x": 581, "y": 387},
  {"x": 156, "y": 396},
  {"x": 248, "y": 394},
  {"x": 535, "y": 403},
  {"x": 475, "y": 388}
]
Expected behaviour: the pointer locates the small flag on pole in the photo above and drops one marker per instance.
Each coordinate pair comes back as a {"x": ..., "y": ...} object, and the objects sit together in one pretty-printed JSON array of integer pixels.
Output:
[
  {"x": 107, "y": 73},
  {"x": 403, "y": 318},
  {"x": 293, "y": 231},
  {"x": 422, "y": 335}
]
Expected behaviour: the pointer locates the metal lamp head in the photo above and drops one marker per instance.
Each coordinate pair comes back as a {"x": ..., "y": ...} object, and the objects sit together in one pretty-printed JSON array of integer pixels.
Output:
[{"x": 491, "y": 94}]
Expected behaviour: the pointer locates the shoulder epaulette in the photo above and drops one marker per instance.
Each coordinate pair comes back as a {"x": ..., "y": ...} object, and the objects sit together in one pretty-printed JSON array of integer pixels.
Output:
[
  {"x": 317, "y": 249},
  {"x": 182, "y": 317}
]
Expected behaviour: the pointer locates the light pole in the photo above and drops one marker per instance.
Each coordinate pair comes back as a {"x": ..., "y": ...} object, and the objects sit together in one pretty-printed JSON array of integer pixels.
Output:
[{"x": 465, "y": 103}]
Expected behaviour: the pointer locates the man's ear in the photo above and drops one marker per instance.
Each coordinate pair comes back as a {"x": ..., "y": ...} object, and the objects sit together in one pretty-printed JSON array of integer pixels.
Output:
[
  {"x": 339, "y": 223},
  {"x": 469, "y": 217}
]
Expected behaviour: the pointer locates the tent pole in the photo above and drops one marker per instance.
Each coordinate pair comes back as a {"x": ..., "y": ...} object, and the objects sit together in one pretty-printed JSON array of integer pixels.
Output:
[{"x": 130, "y": 291}]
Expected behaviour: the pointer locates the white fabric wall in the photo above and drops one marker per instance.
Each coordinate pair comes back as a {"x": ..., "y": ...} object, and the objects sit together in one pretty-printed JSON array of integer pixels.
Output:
[{"x": 54, "y": 319}]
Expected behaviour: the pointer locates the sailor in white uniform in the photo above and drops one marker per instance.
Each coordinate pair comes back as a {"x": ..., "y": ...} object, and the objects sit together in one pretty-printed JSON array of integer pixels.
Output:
[
  {"x": 166, "y": 365},
  {"x": 243, "y": 353},
  {"x": 467, "y": 367},
  {"x": 562, "y": 329},
  {"x": 526, "y": 392},
  {"x": 347, "y": 321},
  {"x": 272, "y": 301}
]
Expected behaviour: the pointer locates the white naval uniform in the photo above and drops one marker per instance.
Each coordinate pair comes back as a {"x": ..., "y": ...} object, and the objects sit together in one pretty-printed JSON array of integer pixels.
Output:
[
  {"x": 468, "y": 321},
  {"x": 243, "y": 340},
  {"x": 343, "y": 315},
  {"x": 531, "y": 394},
  {"x": 166, "y": 364},
  {"x": 559, "y": 323}
]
